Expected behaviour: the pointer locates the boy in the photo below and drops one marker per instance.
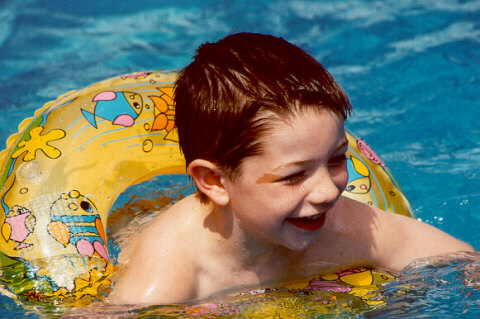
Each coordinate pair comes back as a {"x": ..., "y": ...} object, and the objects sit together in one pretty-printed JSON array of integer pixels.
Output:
[{"x": 261, "y": 125}]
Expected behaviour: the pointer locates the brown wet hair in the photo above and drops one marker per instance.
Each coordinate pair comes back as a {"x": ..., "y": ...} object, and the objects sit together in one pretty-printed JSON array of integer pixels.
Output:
[{"x": 226, "y": 97}]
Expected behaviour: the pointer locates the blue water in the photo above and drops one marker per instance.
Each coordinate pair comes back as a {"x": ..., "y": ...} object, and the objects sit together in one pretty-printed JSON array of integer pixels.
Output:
[{"x": 411, "y": 69}]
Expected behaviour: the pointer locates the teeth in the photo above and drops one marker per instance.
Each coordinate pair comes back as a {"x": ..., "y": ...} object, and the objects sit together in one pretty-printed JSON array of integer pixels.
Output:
[{"x": 313, "y": 217}]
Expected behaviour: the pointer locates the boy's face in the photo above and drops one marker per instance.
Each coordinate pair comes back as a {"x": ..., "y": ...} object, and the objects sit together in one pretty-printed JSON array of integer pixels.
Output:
[{"x": 284, "y": 194}]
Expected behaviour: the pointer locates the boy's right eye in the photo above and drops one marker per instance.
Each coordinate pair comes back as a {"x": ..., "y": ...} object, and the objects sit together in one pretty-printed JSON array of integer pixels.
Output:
[{"x": 338, "y": 160}]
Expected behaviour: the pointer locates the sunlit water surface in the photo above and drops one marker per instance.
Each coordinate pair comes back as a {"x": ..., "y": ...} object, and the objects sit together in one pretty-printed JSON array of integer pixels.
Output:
[{"x": 411, "y": 69}]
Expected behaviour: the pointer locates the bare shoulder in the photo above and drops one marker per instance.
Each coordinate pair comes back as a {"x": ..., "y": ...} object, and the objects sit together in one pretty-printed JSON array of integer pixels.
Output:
[
  {"x": 398, "y": 240},
  {"x": 158, "y": 263}
]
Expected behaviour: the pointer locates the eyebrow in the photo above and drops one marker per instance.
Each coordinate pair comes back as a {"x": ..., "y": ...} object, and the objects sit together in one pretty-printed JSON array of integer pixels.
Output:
[
  {"x": 299, "y": 163},
  {"x": 267, "y": 178}
]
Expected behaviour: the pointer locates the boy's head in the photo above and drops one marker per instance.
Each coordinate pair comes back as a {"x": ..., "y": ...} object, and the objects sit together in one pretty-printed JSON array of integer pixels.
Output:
[{"x": 233, "y": 90}]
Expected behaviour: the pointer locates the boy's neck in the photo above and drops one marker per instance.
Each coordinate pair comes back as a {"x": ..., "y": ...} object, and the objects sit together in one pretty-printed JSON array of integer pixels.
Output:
[{"x": 244, "y": 251}]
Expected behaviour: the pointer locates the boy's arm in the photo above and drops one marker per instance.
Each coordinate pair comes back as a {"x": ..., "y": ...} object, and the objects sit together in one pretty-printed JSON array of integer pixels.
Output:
[
  {"x": 402, "y": 239},
  {"x": 154, "y": 276}
]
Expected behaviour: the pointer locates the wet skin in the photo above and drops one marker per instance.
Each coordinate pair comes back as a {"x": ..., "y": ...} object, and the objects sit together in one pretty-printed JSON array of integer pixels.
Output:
[
  {"x": 283, "y": 195},
  {"x": 282, "y": 217}
]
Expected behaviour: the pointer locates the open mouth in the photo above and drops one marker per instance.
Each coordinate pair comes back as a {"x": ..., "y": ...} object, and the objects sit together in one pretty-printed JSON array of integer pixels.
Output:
[{"x": 310, "y": 223}]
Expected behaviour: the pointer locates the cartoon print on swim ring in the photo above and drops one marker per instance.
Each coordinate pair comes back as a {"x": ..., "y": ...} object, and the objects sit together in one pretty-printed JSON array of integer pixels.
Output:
[
  {"x": 39, "y": 141},
  {"x": 19, "y": 224},
  {"x": 120, "y": 108},
  {"x": 75, "y": 220},
  {"x": 136, "y": 75},
  {"x": 63, "y": 170},
  {"x": 164, "y": 112},
  {"x": 360, "y": 282},
  {"x": 369, "y": 153},
  {"x": 358, "y": 176}
]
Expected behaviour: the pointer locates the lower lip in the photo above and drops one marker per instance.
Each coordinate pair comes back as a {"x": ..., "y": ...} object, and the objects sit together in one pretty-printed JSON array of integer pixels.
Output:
[{"x": 308, "y": 224}]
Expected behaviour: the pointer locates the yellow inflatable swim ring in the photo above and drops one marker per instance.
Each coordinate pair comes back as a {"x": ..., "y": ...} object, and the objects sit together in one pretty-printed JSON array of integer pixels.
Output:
[{"x": 63, "y": 170}]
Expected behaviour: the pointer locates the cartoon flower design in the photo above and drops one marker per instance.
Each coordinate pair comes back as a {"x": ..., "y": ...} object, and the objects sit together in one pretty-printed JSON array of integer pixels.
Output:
[
  {"x": 39, "y": 142},
  {"x": 33, "y": 295},
  {"x": 369, "y": 153},
  {"x": 164, "y": 111}
]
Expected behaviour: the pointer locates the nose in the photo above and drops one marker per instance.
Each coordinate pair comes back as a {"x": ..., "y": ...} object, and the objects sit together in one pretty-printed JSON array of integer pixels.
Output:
[{"x": 325, "y": 189}]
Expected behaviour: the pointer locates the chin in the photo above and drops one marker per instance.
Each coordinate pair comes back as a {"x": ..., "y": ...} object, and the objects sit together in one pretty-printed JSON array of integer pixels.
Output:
[
  {"x": 300, "y": 241},
  {"x": 298, "y": 244}
]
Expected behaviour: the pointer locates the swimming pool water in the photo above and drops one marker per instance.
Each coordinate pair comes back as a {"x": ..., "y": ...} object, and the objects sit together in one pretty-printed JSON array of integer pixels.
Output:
[{"x": 411, "y": 69}]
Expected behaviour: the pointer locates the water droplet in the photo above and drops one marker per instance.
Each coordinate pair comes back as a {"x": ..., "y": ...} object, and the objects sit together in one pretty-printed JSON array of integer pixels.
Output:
[{"x": 32, "y": 171}]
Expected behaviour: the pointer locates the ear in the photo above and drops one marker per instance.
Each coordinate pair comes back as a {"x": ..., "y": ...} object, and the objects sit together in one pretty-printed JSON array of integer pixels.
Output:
[{"x": 209, "y": 180}]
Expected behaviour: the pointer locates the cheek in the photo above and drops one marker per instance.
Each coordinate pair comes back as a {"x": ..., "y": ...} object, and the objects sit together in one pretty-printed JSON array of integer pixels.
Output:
[
  {"x": 341, "y": 179},
  {"x": 261, "y": 203},
  {"x": 247, "y": 197}
]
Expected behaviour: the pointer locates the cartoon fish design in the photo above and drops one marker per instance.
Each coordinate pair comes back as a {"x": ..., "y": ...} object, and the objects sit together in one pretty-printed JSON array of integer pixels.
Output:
[
  {"x": 358, "y": 177},
  {"x": 358, "y": 282},
  {"x": 75, "y": 220},
  {"x": 120, "y": 108}
]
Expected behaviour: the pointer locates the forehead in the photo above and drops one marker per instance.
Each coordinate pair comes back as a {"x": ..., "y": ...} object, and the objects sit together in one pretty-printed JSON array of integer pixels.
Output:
[
  {"x": 302, "y": 136},
  {"x": 307, "y": 135},
  {"x": 306, "y": 122}
]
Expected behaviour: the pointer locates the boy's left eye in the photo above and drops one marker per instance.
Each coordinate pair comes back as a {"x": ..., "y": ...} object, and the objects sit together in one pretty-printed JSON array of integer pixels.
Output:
[{"x": 293, "y": 179}]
